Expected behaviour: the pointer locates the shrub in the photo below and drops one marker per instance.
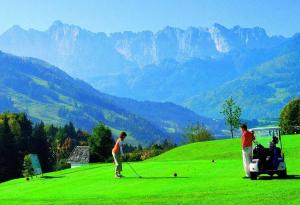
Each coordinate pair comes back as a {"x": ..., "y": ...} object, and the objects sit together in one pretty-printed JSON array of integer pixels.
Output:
[
  {"x": 197, "y": 133},
  {"x": 27, "y": 167}
]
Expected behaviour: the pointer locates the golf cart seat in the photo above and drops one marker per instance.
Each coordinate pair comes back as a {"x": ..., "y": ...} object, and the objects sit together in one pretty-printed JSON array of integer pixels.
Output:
[{"x": 260, "y": 152}]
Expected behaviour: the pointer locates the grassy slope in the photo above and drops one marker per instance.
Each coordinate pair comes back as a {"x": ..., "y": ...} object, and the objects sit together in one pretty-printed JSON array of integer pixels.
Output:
[
  {"x": 199, "y": 180},
  {"x": 269, "y": 85}
]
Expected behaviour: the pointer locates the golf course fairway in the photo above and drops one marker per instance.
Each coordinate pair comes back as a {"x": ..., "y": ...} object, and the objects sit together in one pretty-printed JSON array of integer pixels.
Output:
[{"x": 199, "y": 180}]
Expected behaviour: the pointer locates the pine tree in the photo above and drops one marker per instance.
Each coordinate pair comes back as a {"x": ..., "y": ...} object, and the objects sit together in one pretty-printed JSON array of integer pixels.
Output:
[
  {"x": 9, "y": 166},
  {"x": 39, "y": 145},
  {"x": 25, "y": 132},
  {"x": 70, "y": 131}
]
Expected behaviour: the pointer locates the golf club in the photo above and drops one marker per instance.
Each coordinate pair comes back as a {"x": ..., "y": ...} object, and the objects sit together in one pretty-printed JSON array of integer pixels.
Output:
[{"x": 134, "y": 170}]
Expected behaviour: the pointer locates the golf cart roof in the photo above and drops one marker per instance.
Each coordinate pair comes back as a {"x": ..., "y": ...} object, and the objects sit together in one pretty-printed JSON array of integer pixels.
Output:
[{"x": 265, "y": 129}]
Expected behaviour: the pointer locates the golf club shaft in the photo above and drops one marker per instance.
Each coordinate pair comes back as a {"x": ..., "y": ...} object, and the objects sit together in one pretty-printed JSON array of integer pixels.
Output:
[{"x": 133, "y": 169}]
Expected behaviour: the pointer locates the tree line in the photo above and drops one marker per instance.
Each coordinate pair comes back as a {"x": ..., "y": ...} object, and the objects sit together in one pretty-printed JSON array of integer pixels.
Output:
[{"x": 19, "y": 136}]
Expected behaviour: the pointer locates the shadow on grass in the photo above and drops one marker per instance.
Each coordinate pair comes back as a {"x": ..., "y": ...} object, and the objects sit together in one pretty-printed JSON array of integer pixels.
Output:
[
  {"x": 52, "y": 177},
  {"x": 69, "y": 171},
  {"x": 288, "y": 177},
  {"x": 156, "y": 177}
]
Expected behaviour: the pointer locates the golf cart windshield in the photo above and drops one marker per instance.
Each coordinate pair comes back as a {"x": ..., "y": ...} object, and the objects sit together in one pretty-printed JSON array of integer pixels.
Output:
[
  {"x": 266, "y": 131},
  {"x": 263, "y": 134}
]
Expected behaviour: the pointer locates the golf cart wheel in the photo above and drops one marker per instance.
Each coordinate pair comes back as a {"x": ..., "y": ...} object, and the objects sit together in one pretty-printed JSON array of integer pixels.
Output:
[
  {"x": 253, "y": 175},
  {"x": 282, "y": 174}
]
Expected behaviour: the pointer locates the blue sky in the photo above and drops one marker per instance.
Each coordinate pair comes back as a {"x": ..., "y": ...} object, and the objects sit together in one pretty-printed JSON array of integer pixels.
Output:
[{"x": 276, "y": 16}]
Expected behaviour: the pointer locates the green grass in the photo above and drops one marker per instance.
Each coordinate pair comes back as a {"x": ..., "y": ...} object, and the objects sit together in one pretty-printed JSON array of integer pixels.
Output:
[
  {"x": 199, "y": 180},
  {"x": 39, "y": 81},
  {"x": 112, "y": 116},
  {"x": 37, "y": 109}
]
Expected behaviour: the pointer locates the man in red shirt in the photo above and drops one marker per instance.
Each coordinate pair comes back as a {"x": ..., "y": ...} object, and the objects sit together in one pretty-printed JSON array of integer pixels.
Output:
[{"x": 247, "y": 139}]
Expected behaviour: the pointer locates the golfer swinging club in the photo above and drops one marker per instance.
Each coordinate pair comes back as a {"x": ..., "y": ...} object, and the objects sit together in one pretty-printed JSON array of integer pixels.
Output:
[
  {"x": 118, "y": 153},
  {"x": 247, "y": 139}
]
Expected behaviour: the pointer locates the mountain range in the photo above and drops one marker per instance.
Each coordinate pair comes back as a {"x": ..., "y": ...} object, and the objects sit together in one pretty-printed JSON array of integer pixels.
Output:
[
  {"x": 76, "y": 50},
  {"x": 47, "y": 93},
  {"x": 195, "y": 67}
]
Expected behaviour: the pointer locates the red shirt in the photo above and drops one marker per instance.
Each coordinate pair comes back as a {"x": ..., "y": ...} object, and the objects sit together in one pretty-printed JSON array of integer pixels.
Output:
[
  {"x": 247, "y": 138},
  {"x": 118, "y": 148}
]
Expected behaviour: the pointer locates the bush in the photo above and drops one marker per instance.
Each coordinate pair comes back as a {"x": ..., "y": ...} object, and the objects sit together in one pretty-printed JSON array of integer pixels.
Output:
[
  {"x": 139, "y": 154},
  {"x": 197, "y": 133},
  {"x": 27, "y": 167},
  {"x": 133, "y": 156},
  {"x": 62, "y": 164},
  {"x": 150, "y": 153}
]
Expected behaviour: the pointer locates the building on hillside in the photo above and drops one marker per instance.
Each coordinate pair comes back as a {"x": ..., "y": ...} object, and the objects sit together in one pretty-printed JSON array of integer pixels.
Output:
[{"x": 80, "y": 156}]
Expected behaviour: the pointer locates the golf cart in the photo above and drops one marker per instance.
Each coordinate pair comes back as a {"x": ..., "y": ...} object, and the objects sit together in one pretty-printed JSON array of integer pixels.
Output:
[{"x": 267, "y": 159}]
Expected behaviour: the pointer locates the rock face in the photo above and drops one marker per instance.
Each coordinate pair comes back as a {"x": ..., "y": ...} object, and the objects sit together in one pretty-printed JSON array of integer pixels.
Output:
[
  {"x": 238, "y": 38},
  {"x": 85, "y": 54}
]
